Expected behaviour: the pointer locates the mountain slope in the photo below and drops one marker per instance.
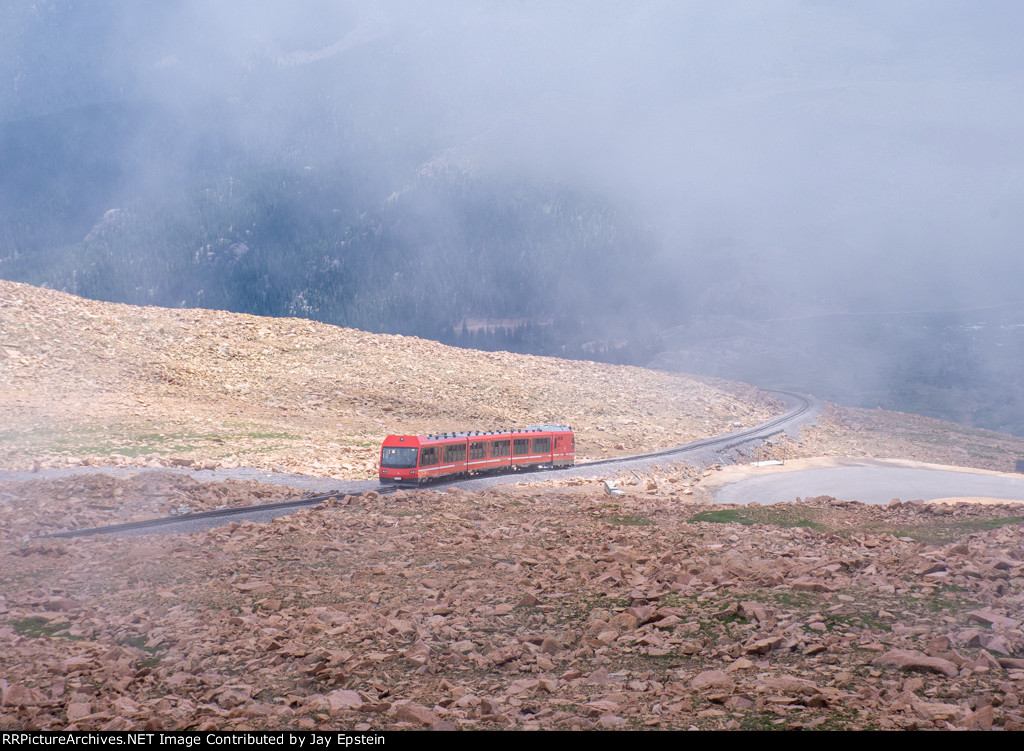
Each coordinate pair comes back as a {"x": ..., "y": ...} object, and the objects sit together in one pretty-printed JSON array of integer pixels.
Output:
[
  {"x": 86, "y": 382},
  {"x": 93, "y": 382}
]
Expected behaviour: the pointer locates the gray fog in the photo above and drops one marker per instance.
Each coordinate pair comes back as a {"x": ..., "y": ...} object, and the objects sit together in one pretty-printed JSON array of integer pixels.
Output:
[
  {"x": 860, "y": 136},
  {"x": 789, "y": 159}
]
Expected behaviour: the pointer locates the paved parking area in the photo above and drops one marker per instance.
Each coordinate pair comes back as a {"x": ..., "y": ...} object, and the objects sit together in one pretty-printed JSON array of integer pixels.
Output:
[{"x": 871, "y": 484}]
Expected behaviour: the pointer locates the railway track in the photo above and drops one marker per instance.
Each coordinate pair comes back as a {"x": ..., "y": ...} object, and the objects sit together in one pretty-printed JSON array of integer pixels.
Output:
[
  {"x": 225, "y": 513},
  {"x": 718, "y": 444},
  {"x": 730, "y": 440}
]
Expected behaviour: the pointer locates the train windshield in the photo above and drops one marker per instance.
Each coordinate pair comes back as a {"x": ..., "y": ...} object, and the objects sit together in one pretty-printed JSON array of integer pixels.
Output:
[{"x": 398, "y": 458}]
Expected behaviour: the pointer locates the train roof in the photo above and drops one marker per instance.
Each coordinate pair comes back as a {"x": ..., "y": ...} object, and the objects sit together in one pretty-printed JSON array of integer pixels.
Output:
[{"x": 481, "y": 433}]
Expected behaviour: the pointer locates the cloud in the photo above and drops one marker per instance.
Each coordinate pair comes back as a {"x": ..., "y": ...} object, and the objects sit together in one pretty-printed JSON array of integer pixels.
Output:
[{"x": 807, "y": 134}]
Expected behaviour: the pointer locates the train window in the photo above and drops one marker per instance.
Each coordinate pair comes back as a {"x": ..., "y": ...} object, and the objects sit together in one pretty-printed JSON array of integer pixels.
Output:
[
  {"x": 455, "y": 452},
  {"x": 478, "y": 450},
  {"x": 428, "y": 456},
  {"x": 520, "y": 446},
  {"x": 542, "y": 445},
  {"x": 398, "y": 458},
  {"x": 499, "y": 449}
]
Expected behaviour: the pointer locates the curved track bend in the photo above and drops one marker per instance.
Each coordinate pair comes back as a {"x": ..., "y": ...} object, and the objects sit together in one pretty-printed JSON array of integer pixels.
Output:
[{"x": 718, "y": 449}]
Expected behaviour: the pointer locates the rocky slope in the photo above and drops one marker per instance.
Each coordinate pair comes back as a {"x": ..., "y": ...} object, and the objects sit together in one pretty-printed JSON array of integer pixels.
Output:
[
  {"x": 517, "y": 609},
  {"x": 86, "y": 382},
  {"x": 527, "y": 606}
]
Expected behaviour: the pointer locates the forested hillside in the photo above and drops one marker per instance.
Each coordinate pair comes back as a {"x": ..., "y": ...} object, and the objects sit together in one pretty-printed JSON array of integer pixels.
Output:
[{"x": 328, "y": 240}]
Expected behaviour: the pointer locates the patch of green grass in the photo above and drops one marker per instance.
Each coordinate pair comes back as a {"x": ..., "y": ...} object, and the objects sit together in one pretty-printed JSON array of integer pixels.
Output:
[
  {"x": 860, "y": 620},
  {"x": 632, "y": 520},
  {"x": 663, "y": 662},
  {"x": 948, "y": 601},
  {"x": 929, "y": 529},
  {"x": 671, "y": 600},
  {"x": 786, "y": 598},
  {"x": 978, "y": 525},
  {"x": 757, "y": 721},
  {"x": 35, "y": 627},
  {"x": 709, "y": 628},
  {"x": 139, "y": 642},
  {"x": 779, "y": 516},
  {"x": 728, "y": 622},
  {"x": 946, "y": 529},
  {"x": 844, "y": 719},
  {"x": 724, "y": 516}
]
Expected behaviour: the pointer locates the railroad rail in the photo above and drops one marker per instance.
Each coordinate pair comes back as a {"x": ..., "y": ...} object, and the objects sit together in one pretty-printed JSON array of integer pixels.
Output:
[
  {"x": 728, "y": 441},
  {"x": 721, "y": 444}
]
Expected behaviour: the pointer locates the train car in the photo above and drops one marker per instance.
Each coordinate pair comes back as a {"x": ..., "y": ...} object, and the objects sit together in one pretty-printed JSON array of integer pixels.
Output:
[{"x": 417, "y": 459}]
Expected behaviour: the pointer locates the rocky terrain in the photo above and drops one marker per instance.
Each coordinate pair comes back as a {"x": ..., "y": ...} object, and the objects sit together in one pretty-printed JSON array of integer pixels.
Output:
[
  {"x": 548, "y": 605},
  {"x": 86, "y": 382},
  {"x": 519, "y": 608}
]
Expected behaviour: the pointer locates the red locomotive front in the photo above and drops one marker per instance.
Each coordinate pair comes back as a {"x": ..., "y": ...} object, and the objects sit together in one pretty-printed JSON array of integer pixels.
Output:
[{"x": 399, "y": 459}]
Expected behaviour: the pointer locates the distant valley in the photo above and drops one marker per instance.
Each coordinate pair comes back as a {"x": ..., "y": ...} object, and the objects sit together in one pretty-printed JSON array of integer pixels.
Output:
[{"x": 962, "y": 366}]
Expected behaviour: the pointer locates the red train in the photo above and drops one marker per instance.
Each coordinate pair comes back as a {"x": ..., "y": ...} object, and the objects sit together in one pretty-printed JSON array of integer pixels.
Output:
[{"x": 415, "y": 459}]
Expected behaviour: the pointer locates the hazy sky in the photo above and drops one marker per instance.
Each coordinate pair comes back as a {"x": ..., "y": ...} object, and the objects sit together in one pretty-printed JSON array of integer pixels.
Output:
[{"x": 865, "y": 139}]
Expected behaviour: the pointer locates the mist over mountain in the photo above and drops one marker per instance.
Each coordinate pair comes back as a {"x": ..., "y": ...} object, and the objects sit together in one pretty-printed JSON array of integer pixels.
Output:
[{"x": 599, "y": 180}]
